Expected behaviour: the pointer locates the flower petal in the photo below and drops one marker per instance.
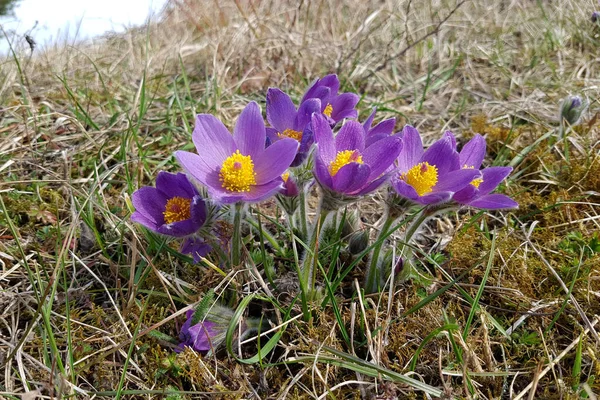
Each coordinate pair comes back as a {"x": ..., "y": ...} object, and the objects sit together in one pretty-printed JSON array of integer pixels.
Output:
[
  {"x": 494, "y": 202},
  {"x": 456, "y": 180},
  {"x": 351, "y": 177},
  {"x": 473, "y": 153},
  {"x": 262, "y": 192},
  {"x": 412, "y": 149},
  {"x": 404, "y": 189},
  {"x": 141, "y": 219},
  {"x": 179, "y": 229},
  {"x": 350, "y": 137},
  {"x": 344, "y": 106},
  {"x": 374, "y": 185},
  {"x": 367, "y": 124},
  {"x": 197, "y": 248},
  {"x": 281, "y": 111},
  {"x": 466, "y": 194},
  {"x": 305, "y": 112},
  {"x": 435, "y": 198},
  {"x": 321, "y": 172},
  {"x": 249, "y": 133},
  {"x": 442, "y": 155},
  {"x": 332, "y": 82},
  {"x": 195, "y": 166},
  {"x": 381, "y": 155},
  {"x": 175, "y": 185},
  {"x": 492, "y": 176},
  {"x": 150, "y": 202},
  {"x": 212, "y": 140},
  {"x": 274, "y": 160},
  {"x": 324, "y": 138}
]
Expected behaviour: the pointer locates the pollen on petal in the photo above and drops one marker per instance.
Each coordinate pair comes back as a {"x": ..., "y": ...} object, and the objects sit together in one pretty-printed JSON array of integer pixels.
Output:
[
  {"x": 475, "y": 182},
  {"x": 328, "y": 110},
  {"x": 177, "y": 209},
  {"x": 342, "y": 158},
  {"x": 237, "y": 173},
  {"x": 285, "y": 176},
  {"x": 290, "y": 133},
  {"x": 422, "y": 177}
]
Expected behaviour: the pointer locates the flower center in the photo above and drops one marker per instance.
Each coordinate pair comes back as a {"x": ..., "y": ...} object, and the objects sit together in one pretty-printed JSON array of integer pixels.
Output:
[
  {"x": 285, "y": 176},
  {"x": 237, "y": 173},
  {"x": 296, "y": 135},
  {"x": 177, "y": 209},
  {"x": 328, "y": 110},
  {"x": 475, "y": 182},
  {"x": 344, "y": 158},
  {"x": 423, "y": 177}
]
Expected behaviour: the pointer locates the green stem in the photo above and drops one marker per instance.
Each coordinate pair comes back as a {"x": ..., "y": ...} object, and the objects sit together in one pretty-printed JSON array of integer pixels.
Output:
[
  {"x": 265, "y": 233},
  {"x": 309, "y": 265},
  {"x": 373, "y": 274},
  {"x": 303, "y": 223},
  {"x": 236, "y": 240},
  {"x": 410, "y": 232}
]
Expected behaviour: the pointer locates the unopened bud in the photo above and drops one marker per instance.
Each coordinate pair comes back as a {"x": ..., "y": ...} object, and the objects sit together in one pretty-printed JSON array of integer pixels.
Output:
[
  {"x": 571, "y": 109},
  {"x": 358, "y": 242},
  {"x": 595, "y": 16}
]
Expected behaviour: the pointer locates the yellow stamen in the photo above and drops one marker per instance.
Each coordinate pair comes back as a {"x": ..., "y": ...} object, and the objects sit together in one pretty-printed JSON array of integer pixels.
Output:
[
  {"x": 177, "y": 209},
  {"x": 344, "y": 158},
  {"x": 237, "y": 173},
  {"x": 423, "y": 177},
  {"x": 296, "y": 135},
  {"x": 285, "y": 176},
  {"x": 477, "y": 181},
  {"x": 328, "y": 110}
]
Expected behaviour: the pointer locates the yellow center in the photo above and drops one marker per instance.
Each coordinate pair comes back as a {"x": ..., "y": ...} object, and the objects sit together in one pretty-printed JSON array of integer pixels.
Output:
[
  {"x": 328, "y": 110},
  {"x": 475, "y": 182},
  {"x": 237, "y": 173},
  {"x": 285, "y": 176},
  {"x": 423, "y": 177},
  {"x": 297, "y": 135},
  {"x": 177, "y": 209},
  {"x": 344, "y": 158}
]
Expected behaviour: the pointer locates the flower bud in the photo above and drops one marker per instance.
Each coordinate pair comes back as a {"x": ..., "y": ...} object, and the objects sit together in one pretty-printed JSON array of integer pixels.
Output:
[
  {"x": 571, "y": 109},
  {"x": 358, "y": 242},
  {"x": 595, "y": 16}
]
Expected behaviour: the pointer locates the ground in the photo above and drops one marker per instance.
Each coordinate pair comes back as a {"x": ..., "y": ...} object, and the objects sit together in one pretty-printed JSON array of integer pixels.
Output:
[{"x": 512, "y": 298}]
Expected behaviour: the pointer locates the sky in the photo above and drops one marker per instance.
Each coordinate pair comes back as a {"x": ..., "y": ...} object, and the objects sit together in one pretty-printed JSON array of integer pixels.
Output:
[{"x": 86, "y": 18}]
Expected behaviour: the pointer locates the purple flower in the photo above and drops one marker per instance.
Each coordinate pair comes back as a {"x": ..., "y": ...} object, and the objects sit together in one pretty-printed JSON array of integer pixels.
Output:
[
  {"x": 286, "y": 122},
  {"x": 290, "y": 187},
  {"x": 595, "y": 16},
  {"x": 379, "y": 131},
  {"x": 334, "y": 106},
  {"x": 345, "y": 165},
  {"x": 432, "y": 176},
  {"x": 237, "y": 168},
  {"x": 174, "y": 207},
  {"x": 477, "y": 193},
  {"x": 202, "y": 336},
  {"x": 196, "y": 247}
]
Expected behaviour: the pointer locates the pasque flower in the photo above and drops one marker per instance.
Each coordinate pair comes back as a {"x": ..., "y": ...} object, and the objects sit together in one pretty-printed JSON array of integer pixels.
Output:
[
  {"x": 379, "y": 131},
  {"x": 345, "y": 165},
  {"x": 431, "y": 176},
  {"x": 174, "y": 207},
  {"x": 334, "y": 106},
  {"x": 237, "y": 168},
  {"x": 477, "y": 192},
  {"x": 595, "y": 16},
  {"x": 286, "y": 122}
]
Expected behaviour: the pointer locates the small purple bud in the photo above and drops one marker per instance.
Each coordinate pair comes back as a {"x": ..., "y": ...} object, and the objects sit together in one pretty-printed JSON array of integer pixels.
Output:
[
  {"x": 571, "y": 109},
  {"x": 595, "y": 16},
  {"x": 399, "y": 266}
]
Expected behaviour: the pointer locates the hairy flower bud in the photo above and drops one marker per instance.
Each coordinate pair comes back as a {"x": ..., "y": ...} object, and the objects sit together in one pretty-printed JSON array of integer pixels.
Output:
[
  {"x": 571, "y": 109},
  {"x": 595, "y": 16}
]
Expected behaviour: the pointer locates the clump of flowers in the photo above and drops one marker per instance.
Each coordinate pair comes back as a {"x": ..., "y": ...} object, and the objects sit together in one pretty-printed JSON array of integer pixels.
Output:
[{"x": 317, "y": 142}]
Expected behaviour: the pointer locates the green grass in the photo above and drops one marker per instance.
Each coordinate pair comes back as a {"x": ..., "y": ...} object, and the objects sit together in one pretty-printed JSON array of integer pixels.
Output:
[{"x": 507, "y": 303}]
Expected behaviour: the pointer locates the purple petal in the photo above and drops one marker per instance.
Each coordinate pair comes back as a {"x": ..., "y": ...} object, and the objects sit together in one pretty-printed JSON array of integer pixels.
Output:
[
  {"x": 197, "y": 248},
  {"x": 367, "y": 124},
  {"x": 450, "y": 135},
  {"x": 202, "y": 334},
  {"x": 272, "y": 136},
  {"x": 442, "y": 155},
  {"x": 249, "y": 133},
  {"x": 273, "y": 161},
  {"x": 466, "y": 194},
  {"x": 374, "y": 184},
  {"x": 435, "y": 198},
  {"x": 494, "y": 202},
  {"x": 212, "y": 140},
  {"x": 198, "y": 210},
  {"x": 384, "y": 127},
  {"x": 175, "y": 185},
  {"x": 262, "y": 192},
  {"x": 324, "y": 138},
  {"x": 180, "y": 228},
  {"x": 332, "y": 82},
  {"x": 150, "y": 203},
  {"x": 141, "y": 219},
  {"x": 321, "y": 172},
  {"x": 473, "y": 153},
  {"x": 351, "y": 177},
  {"x": 350, "y": 137},
  {"x": 381, "y": 155},
  {"x": 456, "y": 180},
  {"x": 281, "y": 111},
  {"x": 344, "y": 106},
  {"x": 194, "y": 165},
  {"x": 404, "y": 189},
  {"x": 305, "y": 112},
  {"x": 412, "y": 149},
  {"x": 492, "y": 176}
]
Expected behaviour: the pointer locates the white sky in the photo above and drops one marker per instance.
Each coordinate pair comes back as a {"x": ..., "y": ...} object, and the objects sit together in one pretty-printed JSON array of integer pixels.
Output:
[{"x": 56, "y": 18}]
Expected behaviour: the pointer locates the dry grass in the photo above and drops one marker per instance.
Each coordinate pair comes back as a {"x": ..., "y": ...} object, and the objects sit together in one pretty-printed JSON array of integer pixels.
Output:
[{"x": 81, "y": 287}]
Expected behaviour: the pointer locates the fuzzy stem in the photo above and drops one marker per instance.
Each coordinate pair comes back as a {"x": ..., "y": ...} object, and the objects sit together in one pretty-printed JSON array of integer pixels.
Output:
[
  {"x": 410, "y": 232},
  {"x": 236, "y": 240},
  {"x": 309, "y": 265},
  {"x": 303, "y": 223},
  {"x": 266, "y": 234},
  {"x": 373, "y": 274}
]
